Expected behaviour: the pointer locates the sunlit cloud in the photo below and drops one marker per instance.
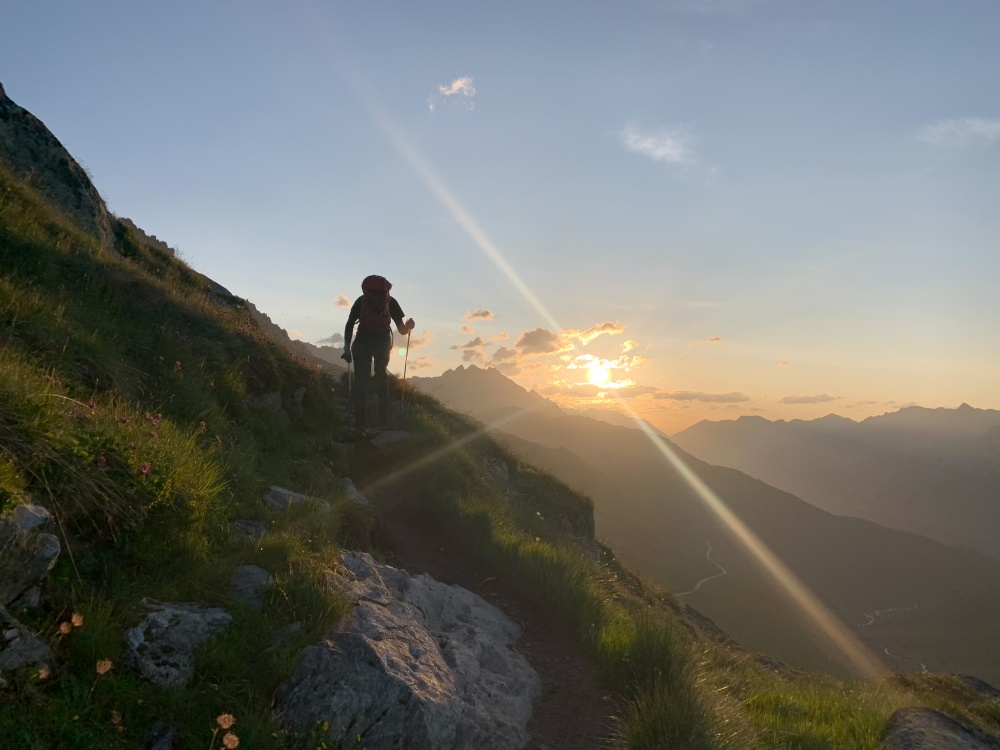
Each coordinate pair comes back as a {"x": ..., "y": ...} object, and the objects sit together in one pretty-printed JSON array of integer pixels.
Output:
[
  {"x": 961, "y": 131},
  {"x": 505, "y": 353},
  {"x": 342, "y": 301},
  {"x": 709, "y": 340},
  {"x": 629, "y": 346},
  {"x": 475, "y": 356},
  {"x": 480, "y": 314},
  {"x": 783, "y": 363},
  {"x": 667, "y": 146},
  {"x": 717, "y": 398},
  {"x": 468, "y": 329},
  {"x": 588, "y": 335},
  {"x": 541, "y": 341},
  {"x": 422, "y": 362},
  {"x": 462, "y": 88},
  {"x": 476, "y": 343},
  {"x": 336, "y": 340},
  {"x": 422, "y": 339},
  {"x": 821, "y": 398}
]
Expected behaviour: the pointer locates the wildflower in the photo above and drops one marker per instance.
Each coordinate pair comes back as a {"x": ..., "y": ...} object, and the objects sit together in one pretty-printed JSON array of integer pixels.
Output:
[
  {"x": 202, "y": 427},
  {"x": 230, "y": 741},
  {"x": 92, "y": 404},
  {"x": 177, "y": 366},
  {"x": 104, "y": 666},
  {"x": 102, "y": 461},
  {"x": 225, "y": 720},
  {"x": 65, "y": 628},
  {"x": 123, "y": 420},
  {"x": 43, "y": 674},
  {"x": 146, "y": 467},
  {"x": 77, "y": 620},
  {"x": 152, "y": 434}
]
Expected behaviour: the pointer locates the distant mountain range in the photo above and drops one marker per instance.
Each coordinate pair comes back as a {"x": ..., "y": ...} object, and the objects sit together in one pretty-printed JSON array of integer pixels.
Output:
[
  {"x": 927, "y": 603},
  {"x": 932, "y": 471}
]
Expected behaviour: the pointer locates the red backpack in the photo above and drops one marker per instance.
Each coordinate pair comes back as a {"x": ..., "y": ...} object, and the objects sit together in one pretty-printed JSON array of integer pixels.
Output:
[{"x": 375, "y": 305}]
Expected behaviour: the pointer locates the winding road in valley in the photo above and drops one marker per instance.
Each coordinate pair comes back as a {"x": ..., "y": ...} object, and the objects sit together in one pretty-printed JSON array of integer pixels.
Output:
[
  {"x": 697, "y": 586},
  {"x": 873, "y": 616}
]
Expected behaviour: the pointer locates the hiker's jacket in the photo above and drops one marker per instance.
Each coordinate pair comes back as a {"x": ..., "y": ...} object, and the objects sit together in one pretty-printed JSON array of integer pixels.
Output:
[{"x": 375, "y": 331}]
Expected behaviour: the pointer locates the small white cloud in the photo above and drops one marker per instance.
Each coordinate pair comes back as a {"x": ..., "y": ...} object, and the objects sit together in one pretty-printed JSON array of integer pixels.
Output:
[
  {"x": 463, "y": 86},
  {"x": 668, "y": 146},
  {"x": 463, "y": 89},
  {"x": 960, "y": 131},
  {"x": 342, "y": 301},
  {"x": 336, "y": 340}
]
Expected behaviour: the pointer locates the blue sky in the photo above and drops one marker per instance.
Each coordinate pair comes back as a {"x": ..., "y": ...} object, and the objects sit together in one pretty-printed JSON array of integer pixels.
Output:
[{"x": 758, "y": 207}]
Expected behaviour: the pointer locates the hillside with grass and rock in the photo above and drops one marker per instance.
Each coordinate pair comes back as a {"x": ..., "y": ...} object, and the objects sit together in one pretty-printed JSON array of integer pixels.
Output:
[{"x": 195, "y": 553}]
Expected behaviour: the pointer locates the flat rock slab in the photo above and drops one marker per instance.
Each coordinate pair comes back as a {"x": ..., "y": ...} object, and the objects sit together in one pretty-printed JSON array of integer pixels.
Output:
[
  {"x": 162, "y": 647},
  {"x": 419, "y": 665},
  {"x": 389, "y": 437},
  {"x": 249, "y": 584},
  {"x": 354, "y": 495},
  {"x": 919, "y": 728},
  {"x": 281, "y": 499},
  {"x": 250, "y": 529}
]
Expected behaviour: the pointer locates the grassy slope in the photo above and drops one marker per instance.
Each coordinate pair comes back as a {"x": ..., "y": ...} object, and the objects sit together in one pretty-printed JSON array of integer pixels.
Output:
[{"x": 123, "y": 392}]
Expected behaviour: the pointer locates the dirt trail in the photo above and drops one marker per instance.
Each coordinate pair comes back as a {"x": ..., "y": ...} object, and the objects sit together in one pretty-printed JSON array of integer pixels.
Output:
[{"x": 573, "y": 712}]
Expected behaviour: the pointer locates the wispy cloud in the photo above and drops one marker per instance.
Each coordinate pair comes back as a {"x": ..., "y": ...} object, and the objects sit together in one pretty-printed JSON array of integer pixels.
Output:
[
  {"x": 960, "y": 132},
  {"x": 421, "y": 340},
  {"x": 783, "y": 363},
  {"x": 476, "y": 343},
  {"x": 463, "y": 89},
  {"x": 709, "y": 340},
  {"x": 342, "y": 301},
  {"x": 585, "y": 336},
  {"x": 480, "y": 314},
  {"x": 716, "y": 398},
  {"x": 421, "y": 363},
  {"x": 668, "y": 146},
  {"x": 821, "y": 398},
  {"x": 336, "y": 339}
]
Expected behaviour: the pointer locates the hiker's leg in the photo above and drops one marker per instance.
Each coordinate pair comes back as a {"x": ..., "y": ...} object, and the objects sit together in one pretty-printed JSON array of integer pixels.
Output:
[
  {"x": 381, "y": 358},
  {"x": 362, "y": 374}
]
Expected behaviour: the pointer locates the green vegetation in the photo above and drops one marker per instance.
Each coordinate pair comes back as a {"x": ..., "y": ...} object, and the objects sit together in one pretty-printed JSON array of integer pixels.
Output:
[{"x": 134, "y": 404}]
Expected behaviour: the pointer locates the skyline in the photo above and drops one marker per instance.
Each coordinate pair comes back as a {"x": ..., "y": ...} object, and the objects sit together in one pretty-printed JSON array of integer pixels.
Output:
[{"x": 732, "y": 207}]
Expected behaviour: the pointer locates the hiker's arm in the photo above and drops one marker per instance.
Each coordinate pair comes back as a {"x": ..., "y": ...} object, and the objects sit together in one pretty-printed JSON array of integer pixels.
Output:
[
  {"x": 397, "y": 316},
  {"x": 352, "y": 320}
]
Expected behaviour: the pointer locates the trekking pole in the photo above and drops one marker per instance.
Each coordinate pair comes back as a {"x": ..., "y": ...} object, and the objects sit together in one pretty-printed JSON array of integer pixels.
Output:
[
  {"x": 402, "y": 393},
  {"x": 350, "y": 397}
]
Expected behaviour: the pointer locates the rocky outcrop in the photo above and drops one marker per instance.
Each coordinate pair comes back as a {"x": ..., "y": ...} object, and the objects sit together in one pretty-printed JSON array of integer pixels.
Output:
[
  {"x": 249, "y": 584},
  {"x": 278, "y": 498},
  {"x": 419, "y": 664},
  {"x": 162, "y": 647},
  {"x": 919, "y": 728},
  {"x": 34, "y": 154},
  {"x": 27, "y": 550}
]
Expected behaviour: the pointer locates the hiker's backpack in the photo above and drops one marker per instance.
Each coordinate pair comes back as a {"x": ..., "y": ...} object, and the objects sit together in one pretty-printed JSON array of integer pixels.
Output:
[{"x": 375, "y": 304}]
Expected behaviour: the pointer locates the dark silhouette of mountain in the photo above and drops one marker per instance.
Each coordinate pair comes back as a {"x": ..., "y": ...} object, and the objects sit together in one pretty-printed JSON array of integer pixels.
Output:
[
  {"x": 932, "y": 471},
  {"x": 931, "y": 603}
]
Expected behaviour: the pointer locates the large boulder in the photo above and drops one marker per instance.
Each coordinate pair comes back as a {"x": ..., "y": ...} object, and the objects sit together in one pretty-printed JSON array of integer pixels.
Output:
[
  {"x": 919, "y": 728},
  {"x": 27, "y": 550},
  {"x": 419, "y": 665},
  {"x": 162, "y": 647}
]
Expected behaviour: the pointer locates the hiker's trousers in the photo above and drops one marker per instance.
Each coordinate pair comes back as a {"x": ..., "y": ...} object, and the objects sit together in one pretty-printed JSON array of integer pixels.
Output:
[{"x": 371, "y": 350}]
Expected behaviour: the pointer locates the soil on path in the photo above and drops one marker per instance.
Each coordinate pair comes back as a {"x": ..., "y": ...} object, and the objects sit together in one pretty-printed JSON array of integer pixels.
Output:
[{"x": 574, "y": 709}]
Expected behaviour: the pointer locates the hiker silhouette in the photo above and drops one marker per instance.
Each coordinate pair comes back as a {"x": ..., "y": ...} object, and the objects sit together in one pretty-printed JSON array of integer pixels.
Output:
[{"x": 373, "y": 312}]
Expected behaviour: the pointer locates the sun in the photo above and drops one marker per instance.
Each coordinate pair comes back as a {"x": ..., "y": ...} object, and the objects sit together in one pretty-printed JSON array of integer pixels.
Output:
[{"x": 598, "y": 375}]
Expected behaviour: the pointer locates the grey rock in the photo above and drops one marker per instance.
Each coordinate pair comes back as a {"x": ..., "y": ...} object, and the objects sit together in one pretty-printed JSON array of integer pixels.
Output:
[
  {"x": 919, "y": 728},
  {"x": 249, "y": 584},
  {"x": 498, "y": 469},
  {"x": 27, "y": 551},
  {"x": 419, "y": 664},
  {"x": 354, "y": 495},
  {"x": 28, "y": 600},
  {"x": 162, "y": 737},
  {"x": 981, "y": 687},
  {"x": 250, "y": 529},
  {"x": 389, "y": 437},
  {"x": 19, "y": 647},
  {"x": 281, "y": 499},
  {"x": 162, "y": 647}
]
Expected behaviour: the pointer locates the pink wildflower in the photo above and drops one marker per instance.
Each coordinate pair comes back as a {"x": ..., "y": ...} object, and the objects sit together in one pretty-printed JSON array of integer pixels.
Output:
[
  {"x": 225, "y": 720},
  {"x": 202, "y": 427},
  {"x": 230, "y": 741},
  {"x": 146, "y": 467}
]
